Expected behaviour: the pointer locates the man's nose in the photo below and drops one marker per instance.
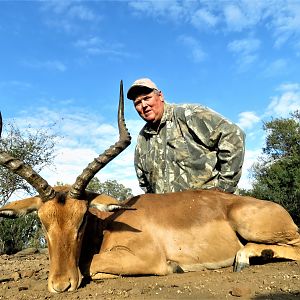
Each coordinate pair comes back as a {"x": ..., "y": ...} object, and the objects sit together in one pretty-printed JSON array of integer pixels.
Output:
[{"x": 144, "y": 103}]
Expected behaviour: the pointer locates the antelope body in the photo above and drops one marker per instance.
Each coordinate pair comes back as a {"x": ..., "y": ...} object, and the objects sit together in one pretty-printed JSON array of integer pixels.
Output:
[{"x": 94, "y": 235}]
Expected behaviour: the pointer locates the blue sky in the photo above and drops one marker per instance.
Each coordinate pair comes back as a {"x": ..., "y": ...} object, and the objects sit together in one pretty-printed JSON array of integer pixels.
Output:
[{"x": 62, "y": 61}]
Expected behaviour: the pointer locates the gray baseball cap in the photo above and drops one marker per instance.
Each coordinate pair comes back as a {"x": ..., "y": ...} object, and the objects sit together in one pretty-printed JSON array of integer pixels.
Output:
[{"x": 138, "y": 84}]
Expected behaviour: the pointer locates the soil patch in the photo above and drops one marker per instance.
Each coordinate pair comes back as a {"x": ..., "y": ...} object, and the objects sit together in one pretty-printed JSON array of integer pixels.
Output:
[{"x": 24, "y": 276}]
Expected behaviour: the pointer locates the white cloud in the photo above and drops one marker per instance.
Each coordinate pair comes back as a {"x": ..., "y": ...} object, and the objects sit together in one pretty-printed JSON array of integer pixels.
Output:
[
  {"x": 283, "y": 105},
  {"x": 248, "y": 119},
  {"x": 234, "y": 17},
  {"x": 279, "y": 18},
  {"x": 276, "y": 67},
  {"x": 68, "y": 15},
  {"x": 169, "y": 9},
  {"x": 82, "y": 12},
  {"x": 55, "y": 65},
  {"x": 15, "y": 84},
  {"x": 203, "y": 18},
  {"x": 285, "y": 23},
  {"x": 246, "y": 51},
  {"x": 73, "y": 157},
  {"x": 244, "y": 14},
  {"x": 88, "y": 43},
  {"x": 251, "y": 156},
  {"x": 57, "y": 6},
  {"x": 69, "y": 9},
  {"x": 289, "y": 87},
  {"x": 286, "y": 102},
  {"x": 97, "y": 46},
  {"x": 244, "y": 46},
  {"x": 197, "y": 54}
]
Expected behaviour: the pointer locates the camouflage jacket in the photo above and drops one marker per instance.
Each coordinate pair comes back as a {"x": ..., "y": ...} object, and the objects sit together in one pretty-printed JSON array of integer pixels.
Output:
[{"x": 193, "y": 148}]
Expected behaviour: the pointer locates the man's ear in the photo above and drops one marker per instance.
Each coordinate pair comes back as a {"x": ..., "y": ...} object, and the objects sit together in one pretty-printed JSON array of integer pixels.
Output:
[
  {"x": 109, "y": 204},
  {"x": 162, "y": 98}
]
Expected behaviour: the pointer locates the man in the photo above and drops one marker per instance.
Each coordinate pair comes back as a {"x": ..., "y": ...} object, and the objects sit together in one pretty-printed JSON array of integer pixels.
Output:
[{"x": 184, "y": 146}]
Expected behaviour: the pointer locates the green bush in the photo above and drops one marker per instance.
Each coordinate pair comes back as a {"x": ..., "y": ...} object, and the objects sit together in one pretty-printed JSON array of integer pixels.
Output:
[{"x": 20, "y": 233}]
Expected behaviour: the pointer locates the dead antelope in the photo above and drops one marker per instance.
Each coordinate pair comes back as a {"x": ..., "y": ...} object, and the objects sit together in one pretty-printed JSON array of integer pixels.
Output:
[{"x": 94, "y": 235}]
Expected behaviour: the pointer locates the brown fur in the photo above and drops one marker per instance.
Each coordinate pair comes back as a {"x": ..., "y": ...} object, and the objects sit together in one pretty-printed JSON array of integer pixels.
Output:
[{"x": 175, "y": 232}]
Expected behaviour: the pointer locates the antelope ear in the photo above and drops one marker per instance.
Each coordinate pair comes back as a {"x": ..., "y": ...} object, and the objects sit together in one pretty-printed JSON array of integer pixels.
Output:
[
  {"x": 20, "y": 208},
  {"x": 107, "y": 203}
]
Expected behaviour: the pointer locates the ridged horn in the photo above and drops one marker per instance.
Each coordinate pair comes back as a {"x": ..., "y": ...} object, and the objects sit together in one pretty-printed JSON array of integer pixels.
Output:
[
  {"x": 0, "y": 124},
  {"x": 17, "y": 166},
  {"x": 98, "y": 163}
]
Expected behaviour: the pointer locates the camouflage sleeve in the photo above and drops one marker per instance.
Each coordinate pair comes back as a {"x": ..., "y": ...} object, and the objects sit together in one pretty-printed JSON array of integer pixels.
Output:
[
  {"x": 231, "y": 150},
  {"x": 224, "y": 137},
  {"x": 140, "y": 172}
]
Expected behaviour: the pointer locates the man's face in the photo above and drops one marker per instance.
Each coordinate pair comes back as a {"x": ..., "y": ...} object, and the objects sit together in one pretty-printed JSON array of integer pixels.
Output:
[{"x": 150, "y": 106}]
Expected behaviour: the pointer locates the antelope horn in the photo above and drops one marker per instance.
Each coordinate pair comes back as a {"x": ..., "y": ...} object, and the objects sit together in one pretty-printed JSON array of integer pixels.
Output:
[
  {"x": 98, "y": 163},
  {"x": 46, "y": 192},
  {"x": 0, "y": 124}
]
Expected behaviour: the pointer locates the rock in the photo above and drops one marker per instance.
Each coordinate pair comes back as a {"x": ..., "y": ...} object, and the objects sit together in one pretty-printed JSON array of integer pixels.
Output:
[
  {"x": 27, "y": 273},
  {"x": 43, "y": 250},
  {"x": 285, "y": 289},
  {"x": 42, "y": 276},
  {"x": 8, "y": 277},
  {"x": 134, "y": 291},
  {"x": 240, "y": 291},
  {"x": 4, "y": 278},
  {"x": 15, "y": 276},
  {"x": 27, "y": 251}
]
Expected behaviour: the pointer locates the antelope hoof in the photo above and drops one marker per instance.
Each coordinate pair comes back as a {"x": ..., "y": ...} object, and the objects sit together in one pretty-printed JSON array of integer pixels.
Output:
[{"x": 239, "y": 266}]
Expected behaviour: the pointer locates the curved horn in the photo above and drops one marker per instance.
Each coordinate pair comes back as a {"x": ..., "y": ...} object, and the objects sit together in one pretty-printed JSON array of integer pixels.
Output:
[
  {"x": 0, "y": 124},
  {"x": 45, "y": 191},
  {"x": 98, "y": 163}
]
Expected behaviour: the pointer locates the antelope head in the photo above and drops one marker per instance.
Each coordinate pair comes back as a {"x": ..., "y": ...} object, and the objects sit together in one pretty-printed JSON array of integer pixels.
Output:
[{"x": 63, "y": 211}]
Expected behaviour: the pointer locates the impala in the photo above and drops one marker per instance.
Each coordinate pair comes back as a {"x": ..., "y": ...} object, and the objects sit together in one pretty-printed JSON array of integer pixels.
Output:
[{"x": 96, "y": 236}]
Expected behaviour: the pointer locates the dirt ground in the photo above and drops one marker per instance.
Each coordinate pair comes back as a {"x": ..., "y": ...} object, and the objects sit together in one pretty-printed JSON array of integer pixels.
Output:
[{"x": 24, "y": 276}]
